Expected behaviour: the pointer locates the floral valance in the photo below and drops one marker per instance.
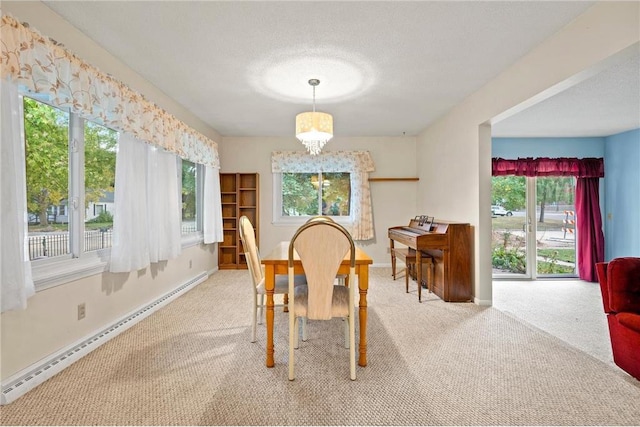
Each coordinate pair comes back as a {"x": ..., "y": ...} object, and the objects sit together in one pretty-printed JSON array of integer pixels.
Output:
[
  {"x": 40, "y": 65},
  {"x": 328, "y": 161},
  {"x": 544, "y": 166}
]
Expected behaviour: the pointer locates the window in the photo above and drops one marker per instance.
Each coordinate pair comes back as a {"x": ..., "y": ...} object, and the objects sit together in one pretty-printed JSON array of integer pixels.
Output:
[
  {"x": 100, "y": 146},
  {"x": 307, "y": 194},
  {"x": 63, "y": 179},
  {"x": 47, "y": 174},
  {"x": 192, "y": 175}
]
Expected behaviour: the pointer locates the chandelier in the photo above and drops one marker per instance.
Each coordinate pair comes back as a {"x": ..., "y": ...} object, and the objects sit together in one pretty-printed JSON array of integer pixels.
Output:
[{"x": 314, "y": 128}]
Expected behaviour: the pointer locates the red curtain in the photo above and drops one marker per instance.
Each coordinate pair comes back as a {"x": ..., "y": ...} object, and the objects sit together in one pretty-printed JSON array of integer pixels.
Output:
[
  {"x": 544, "y": 166},
  {"x": 588, "y": 218},
  {"x": 589, "y": 224}
]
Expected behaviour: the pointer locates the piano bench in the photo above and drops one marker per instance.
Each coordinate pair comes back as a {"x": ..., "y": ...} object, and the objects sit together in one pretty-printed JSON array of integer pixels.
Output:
[{"x": 408, "y": 256}]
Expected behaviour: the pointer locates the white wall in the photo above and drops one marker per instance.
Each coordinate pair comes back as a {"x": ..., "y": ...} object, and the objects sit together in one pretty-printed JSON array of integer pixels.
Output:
[
  {"x": 394, "y": 203},
  {"x": 50, "y": 321},
  {"x": 454, "y": 153}
]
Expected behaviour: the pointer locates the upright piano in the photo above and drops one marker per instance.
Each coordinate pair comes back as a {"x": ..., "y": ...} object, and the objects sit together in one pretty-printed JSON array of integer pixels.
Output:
[{"x": 449, "y": 245}]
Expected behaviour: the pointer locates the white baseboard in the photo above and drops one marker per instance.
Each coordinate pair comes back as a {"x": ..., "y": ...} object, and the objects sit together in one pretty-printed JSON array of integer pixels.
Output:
[
  {"x": 482, "y": 302},
  {"x": 36, "y": 374}
]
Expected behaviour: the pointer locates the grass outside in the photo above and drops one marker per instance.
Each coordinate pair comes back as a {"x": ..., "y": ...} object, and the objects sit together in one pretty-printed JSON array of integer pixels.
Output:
[
  {"x": 510, "y": 223},
  {"x": 565, "y": 255}
]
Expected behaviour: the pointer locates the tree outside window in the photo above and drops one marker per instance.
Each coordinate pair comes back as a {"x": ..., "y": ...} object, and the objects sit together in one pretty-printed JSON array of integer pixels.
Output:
[{"x": 309, "y": 194}]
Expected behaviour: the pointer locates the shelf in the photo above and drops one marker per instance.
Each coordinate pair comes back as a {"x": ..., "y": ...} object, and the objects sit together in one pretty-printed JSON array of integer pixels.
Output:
[{"x": 240, "y": 195}]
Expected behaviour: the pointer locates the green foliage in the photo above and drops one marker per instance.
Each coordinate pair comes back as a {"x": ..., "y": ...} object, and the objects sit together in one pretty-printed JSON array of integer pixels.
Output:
[
  {"x": 47, "y": 158},
  {"x": 507, "y": 258},
  {"x": 336, "y": 195},
  {"x": 565, "y": 255},
  {"x": 550, "y": 264},
  {"x": 188, "y": 190},
  {"x": 100, "y": 144},
  {"x": 299, "y": 197},
  {"x": 103, "y": 217},
  {"x": 508, "y": 191},
  {"x": 300, "y": 194},
  {"x": 553, "y": 190}
]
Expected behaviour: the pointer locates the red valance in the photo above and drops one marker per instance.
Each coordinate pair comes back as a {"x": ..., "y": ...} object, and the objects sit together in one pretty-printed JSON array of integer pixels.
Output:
[{"x": 543, "y": 166}]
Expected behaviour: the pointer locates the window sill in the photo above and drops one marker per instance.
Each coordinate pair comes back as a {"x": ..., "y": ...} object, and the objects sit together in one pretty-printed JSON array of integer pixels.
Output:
[
  {"x": 55, "y": 272},
  {"x": 58, "y": 272}
]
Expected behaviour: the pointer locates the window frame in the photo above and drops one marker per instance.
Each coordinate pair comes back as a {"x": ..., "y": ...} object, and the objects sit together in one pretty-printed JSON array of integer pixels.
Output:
[
  {"x": 195, "y": 237},
  {"x": 281, "y": 220}
]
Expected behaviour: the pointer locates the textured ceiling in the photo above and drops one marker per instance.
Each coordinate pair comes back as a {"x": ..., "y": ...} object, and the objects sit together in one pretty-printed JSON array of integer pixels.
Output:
[{"x": 386, "y": 68}]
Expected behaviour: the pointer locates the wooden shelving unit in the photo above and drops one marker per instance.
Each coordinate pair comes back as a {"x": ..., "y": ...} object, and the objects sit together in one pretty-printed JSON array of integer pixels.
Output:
[{"x": 240, "y": 196}]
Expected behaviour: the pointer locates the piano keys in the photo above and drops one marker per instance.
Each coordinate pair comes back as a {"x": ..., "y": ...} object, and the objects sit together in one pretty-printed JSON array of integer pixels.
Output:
[{"x": 449, "y": 243}]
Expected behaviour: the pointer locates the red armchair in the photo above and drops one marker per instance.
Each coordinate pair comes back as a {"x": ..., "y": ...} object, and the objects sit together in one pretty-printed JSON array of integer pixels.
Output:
[{"x": 620, "y": 286}]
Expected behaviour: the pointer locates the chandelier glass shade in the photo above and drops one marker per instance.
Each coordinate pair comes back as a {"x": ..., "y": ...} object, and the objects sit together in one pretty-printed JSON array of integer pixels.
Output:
[{"x": 314, "y": 128}]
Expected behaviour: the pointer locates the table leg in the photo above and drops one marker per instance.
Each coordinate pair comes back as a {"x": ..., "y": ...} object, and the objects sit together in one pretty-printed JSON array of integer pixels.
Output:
[
  {"x": 363, "y": 285},
  {"x": 269, "y": 285}
]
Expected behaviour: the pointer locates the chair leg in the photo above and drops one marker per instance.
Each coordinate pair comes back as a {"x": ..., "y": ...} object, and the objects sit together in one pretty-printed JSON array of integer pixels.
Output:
[
  {"x": 346, "y": 334},
  {"x": 254, "y": 319},
  {"x": 303, "y": 321},
  {"x": 296, "y": 333},
  {"x": 292, "y": 340},
  {"x": 261, "y": 314},
  {"x": 352, "y": 347}
]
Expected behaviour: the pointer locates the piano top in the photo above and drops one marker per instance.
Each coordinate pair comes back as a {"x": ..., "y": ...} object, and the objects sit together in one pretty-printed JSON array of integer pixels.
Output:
[{"x": 417, "y": 228}]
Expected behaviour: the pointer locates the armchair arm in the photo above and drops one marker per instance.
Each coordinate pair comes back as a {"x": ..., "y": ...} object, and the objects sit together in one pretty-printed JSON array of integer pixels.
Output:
[{"x": 601, "y": 269}]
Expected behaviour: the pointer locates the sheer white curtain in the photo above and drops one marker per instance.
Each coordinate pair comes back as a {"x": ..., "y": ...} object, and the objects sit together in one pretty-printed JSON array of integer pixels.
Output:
[
  {"x": 164, "y": 218},
  {"x": 130, "y": 248},
  {"x": 212, "y": 206},
  {"x": 147, "y": 219},
  {"x": 15, "y": 268}
]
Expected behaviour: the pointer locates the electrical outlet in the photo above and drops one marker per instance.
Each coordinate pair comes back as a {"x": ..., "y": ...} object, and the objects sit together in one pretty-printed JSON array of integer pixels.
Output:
[
  {"x": 190, "y": 263},
  {"x": 82, "y": 311}
]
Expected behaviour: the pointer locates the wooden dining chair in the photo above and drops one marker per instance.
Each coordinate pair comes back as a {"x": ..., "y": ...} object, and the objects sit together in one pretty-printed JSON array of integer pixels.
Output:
[
  {"x": 321, "y": 247},
  {"x": 252, "y": 255}
]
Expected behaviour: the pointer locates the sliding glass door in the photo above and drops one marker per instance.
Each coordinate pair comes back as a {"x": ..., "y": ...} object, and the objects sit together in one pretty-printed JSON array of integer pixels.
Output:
[
  {"x": 555, "y": 226},
  {"x": 533, "y": 227}
]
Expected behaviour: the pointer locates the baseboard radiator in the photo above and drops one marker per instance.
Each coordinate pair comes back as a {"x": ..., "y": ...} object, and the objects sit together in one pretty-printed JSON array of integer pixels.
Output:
[{"x": 35, "y": 375}]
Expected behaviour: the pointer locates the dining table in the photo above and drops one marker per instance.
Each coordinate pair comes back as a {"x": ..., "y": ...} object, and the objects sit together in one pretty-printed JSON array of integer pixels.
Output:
[{"x": 276, "y": 262}]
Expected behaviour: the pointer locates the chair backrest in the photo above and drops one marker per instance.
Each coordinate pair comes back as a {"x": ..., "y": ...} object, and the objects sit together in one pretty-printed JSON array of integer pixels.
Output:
[
  {"x": 248, "y": 237},
  {"x": 321, "y": 246},
  {"x": 623, "y": 281},
  {"x": 320, "y": 218}
]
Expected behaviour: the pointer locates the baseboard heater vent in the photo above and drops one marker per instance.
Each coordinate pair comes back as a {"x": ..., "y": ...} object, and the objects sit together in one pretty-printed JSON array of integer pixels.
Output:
[{"x": 36, "y": 375}]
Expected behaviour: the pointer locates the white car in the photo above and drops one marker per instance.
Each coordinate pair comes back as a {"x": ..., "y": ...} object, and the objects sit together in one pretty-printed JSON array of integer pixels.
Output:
[{"x": 499, "y": 211}]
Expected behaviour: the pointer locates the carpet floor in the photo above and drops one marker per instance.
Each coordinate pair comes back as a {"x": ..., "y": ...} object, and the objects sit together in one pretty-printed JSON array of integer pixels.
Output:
[{"x": 434, "y": 363}]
